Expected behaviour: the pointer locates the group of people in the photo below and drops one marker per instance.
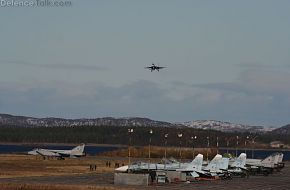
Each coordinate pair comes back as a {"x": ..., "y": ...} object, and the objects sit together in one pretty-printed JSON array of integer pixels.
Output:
[{"x": 93, "y": 167}]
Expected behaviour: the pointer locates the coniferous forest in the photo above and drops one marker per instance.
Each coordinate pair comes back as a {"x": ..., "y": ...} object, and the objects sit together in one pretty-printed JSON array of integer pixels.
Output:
[{"x": 140, "y": 136}]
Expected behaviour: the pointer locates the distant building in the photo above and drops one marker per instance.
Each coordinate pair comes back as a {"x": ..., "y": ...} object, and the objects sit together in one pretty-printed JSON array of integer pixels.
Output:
[{"x": 277, "y": 144}]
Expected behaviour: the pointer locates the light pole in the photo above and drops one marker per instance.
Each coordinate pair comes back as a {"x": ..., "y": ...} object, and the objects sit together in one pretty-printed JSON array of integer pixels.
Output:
[
  {"x": 253, "y": 142},
  {"x": 228, "y": 143},
  {"x": 130, "y": 131},
  {"x": 149, "y": 149},
  {"x": 247, "y": 138},
  {"x": 237, "y": 144},
  {"x": 165, "y": 151},
  {"x": 217, "y": 145},
  {"x": 207, "y": 148},
  {"x": 150, "y": 133},
  {"x": 165, "y": 144},
  {"x": 179, "y": 136},
  {"x": 193, "y": 138}
]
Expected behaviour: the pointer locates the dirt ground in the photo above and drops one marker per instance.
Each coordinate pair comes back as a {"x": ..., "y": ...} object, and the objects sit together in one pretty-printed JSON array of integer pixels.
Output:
[
  {"x": 31, "y": 173},
  {"x": 28, "y": 166}
]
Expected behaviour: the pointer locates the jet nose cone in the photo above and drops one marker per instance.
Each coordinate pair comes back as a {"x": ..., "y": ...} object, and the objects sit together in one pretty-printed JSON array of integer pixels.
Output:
[
  {"x": 32, "y": 152},
  {"x": 122, "y": 169}
]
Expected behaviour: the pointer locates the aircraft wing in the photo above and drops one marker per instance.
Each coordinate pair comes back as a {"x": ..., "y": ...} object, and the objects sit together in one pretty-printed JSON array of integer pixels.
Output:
[
  {"x": 47, "y": 153},
  {"x": 185, "y": 170},
  {"x": 64, "y": 154},
  {"x": 244, "y": 168},
  {"x": 204, "y": 173}
]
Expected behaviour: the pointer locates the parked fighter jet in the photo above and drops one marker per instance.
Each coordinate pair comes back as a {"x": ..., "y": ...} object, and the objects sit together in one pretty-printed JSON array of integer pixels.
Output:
[
  {"x": 267, "y": 162},
  {"x": 239, "y": 162},
  {"x": 195, "y": 165},
  {"x": 238, "y": 166},
  {"x": 78, "y": 151},
  {"x": 169, "y": 166},
  {"x": 192, "y": 168},
  {"x": 281, "y": 164},
  {"x": 217, "y": 167},
  {"x": 264, "y": 166},
  {"x": 212, "y": 167},
  {"x": 153, "y": 67}
]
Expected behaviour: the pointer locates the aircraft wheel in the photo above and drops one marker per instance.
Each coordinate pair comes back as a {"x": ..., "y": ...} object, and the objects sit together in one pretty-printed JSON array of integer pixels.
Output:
[{"x": 265, "y": 173}]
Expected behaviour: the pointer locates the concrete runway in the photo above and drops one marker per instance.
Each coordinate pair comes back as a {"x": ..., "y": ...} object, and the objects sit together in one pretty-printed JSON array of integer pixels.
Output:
[{"x": 278, "y": 180}]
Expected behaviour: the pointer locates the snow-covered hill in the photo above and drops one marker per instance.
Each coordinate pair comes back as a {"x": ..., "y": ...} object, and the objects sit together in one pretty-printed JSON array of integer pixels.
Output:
[{"x": 224, "y": 126}]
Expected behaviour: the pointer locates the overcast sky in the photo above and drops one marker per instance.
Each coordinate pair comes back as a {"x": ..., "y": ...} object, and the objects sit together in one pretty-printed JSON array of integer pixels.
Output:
[{"x": 225, "y": 60}]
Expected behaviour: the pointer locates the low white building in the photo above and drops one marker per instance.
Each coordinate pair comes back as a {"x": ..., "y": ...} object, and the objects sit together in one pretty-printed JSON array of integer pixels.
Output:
[{"x": 277, "y": 144}]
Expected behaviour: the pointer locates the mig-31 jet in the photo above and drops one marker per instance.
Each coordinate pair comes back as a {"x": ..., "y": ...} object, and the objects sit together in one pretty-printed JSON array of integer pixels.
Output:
[
  {"x": 154, "y": 67},
  {"x": 77, "y": 151}
]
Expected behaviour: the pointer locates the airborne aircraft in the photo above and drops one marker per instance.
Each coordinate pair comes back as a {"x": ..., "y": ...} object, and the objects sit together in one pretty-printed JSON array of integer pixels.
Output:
[
  {"x": 77, "y": 151},
  {"x": 154, "y": 67}
]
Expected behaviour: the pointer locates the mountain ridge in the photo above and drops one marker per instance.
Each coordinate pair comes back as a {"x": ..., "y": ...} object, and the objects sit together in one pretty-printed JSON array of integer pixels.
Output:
[
  {"x": 23, "y": 121},
  {"x": 11, "y": 120},
  {"x": 284, "y": 130}
]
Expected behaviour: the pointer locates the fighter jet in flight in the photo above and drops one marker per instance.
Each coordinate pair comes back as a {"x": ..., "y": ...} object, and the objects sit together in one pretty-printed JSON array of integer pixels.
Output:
[{"x": 154, "y": 67}]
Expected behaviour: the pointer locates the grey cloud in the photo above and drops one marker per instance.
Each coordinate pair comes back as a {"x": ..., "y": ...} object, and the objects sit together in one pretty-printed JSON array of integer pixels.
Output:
[
  {"x": 228, "y": 101},
  {"x": 254, "y": 82},
  {"x": 266, "y": 82},
  {"x": 234, "y": 87},
  {"x": 55, "y": 65},
  {"x": 255, "y": 65},
  {"x": 261, "y": 66},
  {"x": 104, "y": 100},
  {"x": 259, "y": 97}
]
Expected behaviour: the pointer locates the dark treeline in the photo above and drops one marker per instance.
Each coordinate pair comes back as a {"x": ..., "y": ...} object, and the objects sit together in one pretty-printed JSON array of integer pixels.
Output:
[{"x": 140, "y": 136}]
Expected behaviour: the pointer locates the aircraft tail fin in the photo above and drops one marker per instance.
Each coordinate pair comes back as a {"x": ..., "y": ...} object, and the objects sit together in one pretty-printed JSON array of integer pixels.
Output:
[
  {"x": 240, "y": 162},
  {"x": 196, "y": 163},
  {"x": 223, "y": 164},
  {"x": 212, "y": 166},
  {"x": 280, "y": 160},
  {"x": 278, "y": 157},
  {"x": 269, "y": 161},
  {"x": 79, "y": 149}
]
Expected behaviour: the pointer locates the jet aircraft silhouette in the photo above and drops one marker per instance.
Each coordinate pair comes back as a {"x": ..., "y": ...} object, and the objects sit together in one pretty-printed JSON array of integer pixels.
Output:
[{"x": 154, "y": 67}]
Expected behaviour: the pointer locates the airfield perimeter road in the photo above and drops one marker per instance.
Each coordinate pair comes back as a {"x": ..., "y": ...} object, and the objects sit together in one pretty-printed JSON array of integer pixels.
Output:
[{"x": 278, "y": 180}]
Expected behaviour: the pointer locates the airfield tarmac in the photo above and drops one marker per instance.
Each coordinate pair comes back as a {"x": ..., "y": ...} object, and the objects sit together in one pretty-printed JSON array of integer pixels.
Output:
[{"x": 15, "y": 170}]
